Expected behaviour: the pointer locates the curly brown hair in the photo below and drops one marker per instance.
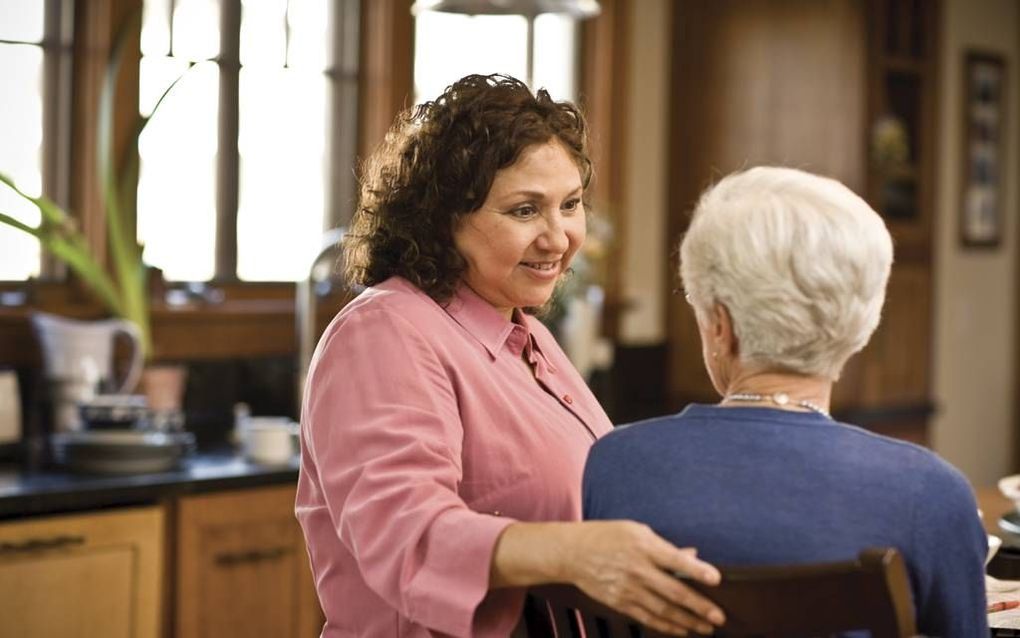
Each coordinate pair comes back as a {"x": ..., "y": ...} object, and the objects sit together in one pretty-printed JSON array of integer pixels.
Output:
[{"x": 436, "y": 165}]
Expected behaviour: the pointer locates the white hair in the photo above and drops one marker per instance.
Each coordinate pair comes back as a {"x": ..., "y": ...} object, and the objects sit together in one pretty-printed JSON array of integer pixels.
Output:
[{"x": 800, "y": 262}]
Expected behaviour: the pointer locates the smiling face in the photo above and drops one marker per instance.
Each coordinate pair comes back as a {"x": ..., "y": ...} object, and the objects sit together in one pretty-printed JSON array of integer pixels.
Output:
[{"x": 523, "y": 237}]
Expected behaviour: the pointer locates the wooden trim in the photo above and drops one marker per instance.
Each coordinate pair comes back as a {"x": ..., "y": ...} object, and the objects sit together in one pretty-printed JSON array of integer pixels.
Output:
[
  {"x": 387, "y": 70},
  {"x": 1015, "y": 131},
  {"x": 230, "y": 330},
  {"x": 57, "y": 112},
  {"x": 605, "y": 57},
  {"x": 59, "y": 38},
  {"x": 227, "y": 155},
  {"x": 343, "y": 147},
  {"x": 91, "y": 48},
  {"x": 95, "y": 25},
  {"x": 254, "y": 320}
]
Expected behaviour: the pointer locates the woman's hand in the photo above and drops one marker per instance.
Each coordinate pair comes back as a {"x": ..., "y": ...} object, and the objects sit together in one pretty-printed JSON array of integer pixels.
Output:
[
  {"x": 626, "y": 566},
  {"x": 622, "y": 564}
]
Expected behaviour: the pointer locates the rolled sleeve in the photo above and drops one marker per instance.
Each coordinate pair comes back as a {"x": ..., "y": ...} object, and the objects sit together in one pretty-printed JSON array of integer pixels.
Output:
[{"x": 384, "y": 426}]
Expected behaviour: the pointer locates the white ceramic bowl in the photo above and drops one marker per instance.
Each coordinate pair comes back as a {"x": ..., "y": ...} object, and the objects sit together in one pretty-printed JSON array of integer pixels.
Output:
[
  {"x": 994, "y": 543},
  {"x": 1010, "y": 488}
]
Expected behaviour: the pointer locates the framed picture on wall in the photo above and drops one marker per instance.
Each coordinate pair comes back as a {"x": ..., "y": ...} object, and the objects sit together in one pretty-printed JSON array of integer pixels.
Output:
[{"x": 984, "y": 113}]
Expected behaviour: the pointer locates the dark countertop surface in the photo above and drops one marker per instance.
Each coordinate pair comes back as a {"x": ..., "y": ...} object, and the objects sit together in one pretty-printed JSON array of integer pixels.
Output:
[{"x": 53, "y": 491}]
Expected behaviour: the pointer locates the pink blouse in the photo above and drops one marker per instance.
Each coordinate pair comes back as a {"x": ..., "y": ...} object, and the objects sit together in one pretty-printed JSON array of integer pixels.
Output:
[{"x": 422, "y": 437}]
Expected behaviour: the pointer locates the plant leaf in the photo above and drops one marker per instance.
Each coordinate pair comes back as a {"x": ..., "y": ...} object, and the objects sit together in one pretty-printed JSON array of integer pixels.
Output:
[
  {"x": 71, "y": 252},
  {"x": 125, "y": 254},
  {"x": 51, "y": 213},
  {"x": 57, "y": 235},
  {"x": 11, "y": 221}
]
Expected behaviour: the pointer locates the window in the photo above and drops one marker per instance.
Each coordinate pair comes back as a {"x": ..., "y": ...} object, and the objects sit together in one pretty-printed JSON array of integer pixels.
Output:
[
  {"x": 238, "y": 164},
  {"x": 34, "y": 58},
  {"x": 449, "y": 46}
]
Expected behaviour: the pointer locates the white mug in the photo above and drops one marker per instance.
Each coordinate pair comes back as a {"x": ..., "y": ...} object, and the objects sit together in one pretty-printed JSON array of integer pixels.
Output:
[{"x": 268, "y": 440}]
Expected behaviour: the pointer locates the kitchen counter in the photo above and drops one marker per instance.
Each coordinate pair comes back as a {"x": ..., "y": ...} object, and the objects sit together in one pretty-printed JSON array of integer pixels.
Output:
[{"x": 55, "y": 491}]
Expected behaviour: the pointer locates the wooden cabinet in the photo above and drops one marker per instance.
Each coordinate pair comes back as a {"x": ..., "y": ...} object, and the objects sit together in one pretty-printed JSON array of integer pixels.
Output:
[
  {"x": 766, "y": 82},
  {"x": 901, "y": 38},
  {"x": 842, "y": 88},
  {"x": 241, "y": 567},
  {"x": 83, "y": 575},
  {"x": 886, "y": 387}
]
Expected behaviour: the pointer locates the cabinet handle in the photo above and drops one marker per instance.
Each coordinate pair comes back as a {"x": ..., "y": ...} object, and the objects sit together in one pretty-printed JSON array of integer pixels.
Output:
[
  {"x": 40, "y": 544},
  {"x": 229, "y": 559}
]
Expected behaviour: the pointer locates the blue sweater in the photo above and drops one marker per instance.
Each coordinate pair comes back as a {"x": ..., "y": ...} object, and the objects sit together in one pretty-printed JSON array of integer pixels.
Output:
[{"x": 755, "y": 486}]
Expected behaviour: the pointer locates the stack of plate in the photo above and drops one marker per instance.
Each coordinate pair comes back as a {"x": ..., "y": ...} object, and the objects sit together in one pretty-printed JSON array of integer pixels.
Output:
[
  {"x": 121, "y": 451},
  {"x": 115, "y": 411}
]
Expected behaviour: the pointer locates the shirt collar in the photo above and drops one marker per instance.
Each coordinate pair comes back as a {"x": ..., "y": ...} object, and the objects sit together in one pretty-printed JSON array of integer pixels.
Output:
[
  {"x": 484, "y": 322},
  {"x": 535, "y": 348}
]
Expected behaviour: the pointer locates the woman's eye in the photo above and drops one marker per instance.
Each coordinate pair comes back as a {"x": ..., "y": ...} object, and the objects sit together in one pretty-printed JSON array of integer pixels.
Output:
[
  {"x": 524, "y": 212},
  {"x": 572, "y": 204}
]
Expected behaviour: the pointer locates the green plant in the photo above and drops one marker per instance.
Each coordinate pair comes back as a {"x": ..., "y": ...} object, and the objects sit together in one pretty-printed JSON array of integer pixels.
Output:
[{"x": 124, "y": 291}]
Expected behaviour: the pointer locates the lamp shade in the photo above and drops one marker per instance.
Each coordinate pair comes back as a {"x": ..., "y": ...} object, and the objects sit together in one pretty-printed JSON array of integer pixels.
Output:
[{"x": 579, "y": 9}]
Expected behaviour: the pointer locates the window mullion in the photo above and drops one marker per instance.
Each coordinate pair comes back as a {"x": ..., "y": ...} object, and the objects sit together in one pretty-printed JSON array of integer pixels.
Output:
[
  {"x": 343, "y": 114},
  {"x": 56, "y": 148},
  {"x": 228, "y": 156}
]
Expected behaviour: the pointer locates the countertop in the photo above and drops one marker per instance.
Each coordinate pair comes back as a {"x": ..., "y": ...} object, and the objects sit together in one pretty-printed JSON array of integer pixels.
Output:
[{"x": 55, "y": 491}]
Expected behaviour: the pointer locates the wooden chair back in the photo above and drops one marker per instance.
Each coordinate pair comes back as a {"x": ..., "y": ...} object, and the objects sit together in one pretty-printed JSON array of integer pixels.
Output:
[{"x": 788, "y": 601}]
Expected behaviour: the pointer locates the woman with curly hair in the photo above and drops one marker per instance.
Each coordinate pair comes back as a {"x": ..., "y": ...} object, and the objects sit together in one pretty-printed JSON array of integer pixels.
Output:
[{"x": 444, "y": 432}]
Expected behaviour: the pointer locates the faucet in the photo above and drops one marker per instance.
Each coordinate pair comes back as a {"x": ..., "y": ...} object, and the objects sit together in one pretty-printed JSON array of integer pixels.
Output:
[{"x": 324, "y": 274}]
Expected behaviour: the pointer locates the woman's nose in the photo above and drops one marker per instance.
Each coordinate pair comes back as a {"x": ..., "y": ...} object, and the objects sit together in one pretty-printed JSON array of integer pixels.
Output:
[{"x": 554, "y": 236}]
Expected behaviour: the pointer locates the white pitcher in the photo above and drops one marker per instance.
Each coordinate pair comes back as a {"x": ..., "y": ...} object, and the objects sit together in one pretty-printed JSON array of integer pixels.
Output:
[{"x": 78, "y": 357}]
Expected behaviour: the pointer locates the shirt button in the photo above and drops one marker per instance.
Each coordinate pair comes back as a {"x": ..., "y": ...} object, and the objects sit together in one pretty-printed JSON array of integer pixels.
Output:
[
  {"x": 497, "y": 513},
  {"x": 568, "y": 399}
]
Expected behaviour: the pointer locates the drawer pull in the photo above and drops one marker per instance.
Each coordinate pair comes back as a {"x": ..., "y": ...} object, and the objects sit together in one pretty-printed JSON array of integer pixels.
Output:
[
  {"x": 40, "y": 544},
  {"x": 251, "y": 556}
]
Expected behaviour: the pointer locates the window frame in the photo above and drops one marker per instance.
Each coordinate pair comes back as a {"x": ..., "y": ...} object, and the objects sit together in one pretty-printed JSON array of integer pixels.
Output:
[
  {"x": 253, "y": 318},
  {"x": 257, "y": 318},
  {"x": 343, "y": 76},
  {"x": 57, "y": 48}
]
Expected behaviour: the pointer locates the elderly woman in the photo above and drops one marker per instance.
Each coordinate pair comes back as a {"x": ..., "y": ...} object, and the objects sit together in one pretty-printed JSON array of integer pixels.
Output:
[
  {"x": 443, "y": 431},
  {"x": 786, "y": 273}
]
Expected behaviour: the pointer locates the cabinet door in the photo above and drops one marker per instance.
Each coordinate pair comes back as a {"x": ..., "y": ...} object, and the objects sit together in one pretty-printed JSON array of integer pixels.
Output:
[
  {"x": 82, "y": 575},
  {"x": 242, "y": 568}
]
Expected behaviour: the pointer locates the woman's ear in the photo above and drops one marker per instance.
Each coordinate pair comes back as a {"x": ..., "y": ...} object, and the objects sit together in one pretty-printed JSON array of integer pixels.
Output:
[{"x": 723, "y": 336}]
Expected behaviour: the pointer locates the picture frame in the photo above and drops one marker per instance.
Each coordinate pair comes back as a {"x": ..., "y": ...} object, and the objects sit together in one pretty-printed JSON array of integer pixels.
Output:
[{"x": 984, "y": 119}]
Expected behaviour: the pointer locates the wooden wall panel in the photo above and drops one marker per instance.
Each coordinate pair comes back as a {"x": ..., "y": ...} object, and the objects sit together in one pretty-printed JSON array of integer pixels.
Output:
[
  {"x": 791, "y": 82},
  {"x": 387, "y": 68},
  {"x": 605, "y": 58},
  {"x": 757, "y": 82},
  {"x": 892, "y": 370},
  {"x": 96, "y": 25}
]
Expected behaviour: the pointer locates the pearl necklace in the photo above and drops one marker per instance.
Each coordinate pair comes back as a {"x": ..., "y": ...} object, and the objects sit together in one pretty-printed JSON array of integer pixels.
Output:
[{"x": 779, "y": 398}]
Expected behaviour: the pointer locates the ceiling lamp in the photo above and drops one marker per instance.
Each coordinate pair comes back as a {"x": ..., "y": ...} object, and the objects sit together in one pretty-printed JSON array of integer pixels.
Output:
[{"x": 578, "y": 9}]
